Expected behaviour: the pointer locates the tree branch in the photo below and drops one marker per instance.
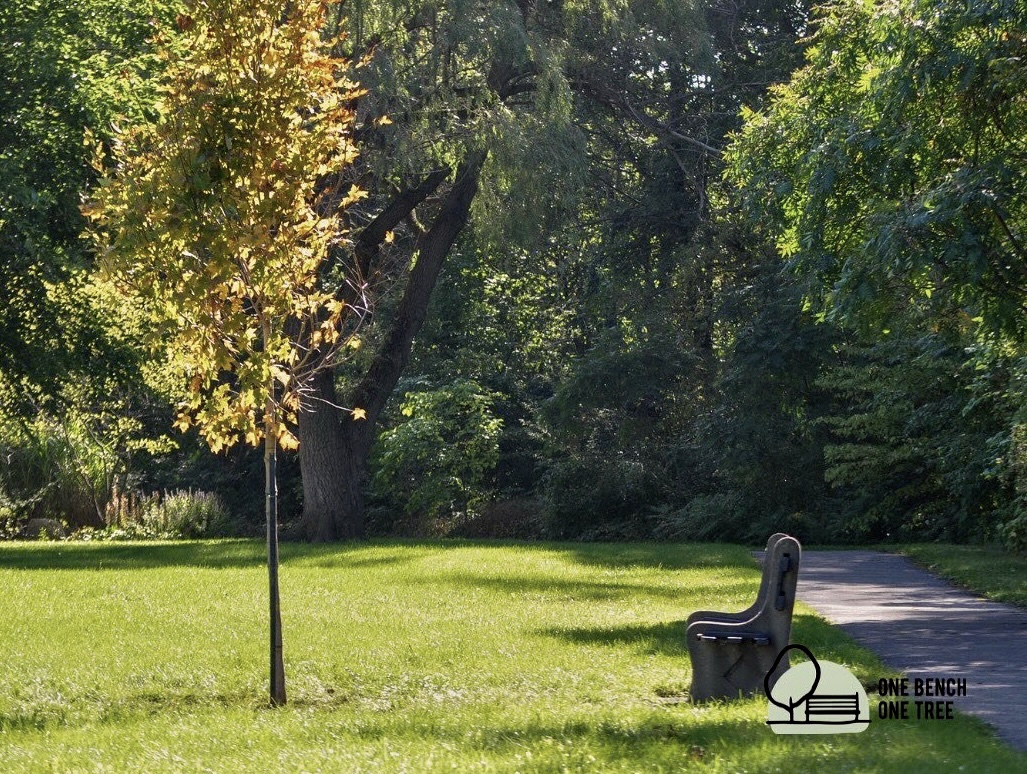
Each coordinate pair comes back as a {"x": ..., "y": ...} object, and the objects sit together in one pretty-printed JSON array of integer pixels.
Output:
[
  {"x": 658, "y": 126},
  {"x": 401, "y": 206},
  {"x": 430, "y": 253}
]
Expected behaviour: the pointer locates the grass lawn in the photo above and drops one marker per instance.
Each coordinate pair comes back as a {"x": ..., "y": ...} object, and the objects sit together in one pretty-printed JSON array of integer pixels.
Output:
[
  {"x": 405, "y": 656},
  {"x": 989, "y": 571}
]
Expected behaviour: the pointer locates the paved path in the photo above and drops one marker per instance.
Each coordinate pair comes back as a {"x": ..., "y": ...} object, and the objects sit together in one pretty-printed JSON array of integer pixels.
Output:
[{"x": 923, "y": 626}]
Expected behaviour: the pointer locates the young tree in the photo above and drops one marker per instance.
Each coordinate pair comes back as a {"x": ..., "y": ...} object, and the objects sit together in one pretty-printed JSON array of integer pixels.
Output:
[{"x": 215, "y": 220}]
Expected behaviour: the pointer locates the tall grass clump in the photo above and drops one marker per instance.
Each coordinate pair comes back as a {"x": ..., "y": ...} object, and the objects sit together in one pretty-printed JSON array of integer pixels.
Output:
[{"x": 182, "y": 513}]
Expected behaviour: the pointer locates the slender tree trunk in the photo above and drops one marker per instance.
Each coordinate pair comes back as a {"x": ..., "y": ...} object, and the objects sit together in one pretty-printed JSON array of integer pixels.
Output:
[
  {"x": 277, "y": 683},
  {"x": 334, "y": 446}
]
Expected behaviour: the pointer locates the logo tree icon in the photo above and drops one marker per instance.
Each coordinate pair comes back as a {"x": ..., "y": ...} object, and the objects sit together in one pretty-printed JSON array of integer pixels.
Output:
[{"x": 796, "y": 692}]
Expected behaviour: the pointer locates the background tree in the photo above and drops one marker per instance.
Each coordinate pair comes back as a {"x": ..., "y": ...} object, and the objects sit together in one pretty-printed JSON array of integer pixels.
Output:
[
  {"x": 447, "y": 110},
  {"x": 594, "y": 128},
  {"x": 73, "y": 411},
  {"x": 890, "y": 171},
  {"x": 61, "y": 68},
  {"x": 891, "y": 165},
  {"x": 213, "y": 221}
]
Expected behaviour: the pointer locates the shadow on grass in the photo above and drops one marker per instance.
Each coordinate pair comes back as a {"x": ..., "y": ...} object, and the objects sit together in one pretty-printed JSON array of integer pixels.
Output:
[
  {"x": 666, "y": 556},
  {"x": 50, "y": 716},
  {"x": 826, "y": 641},
  {"x": 663, "y": 638},
  {"x": 250, "y": 553},
  {"x": 130, "y": 556},
  {"x": 227, "y": 554},
  {"x": 726, "y": 737},
  {"x": 640, "y": 743},
  {"x": 830, "y": 643},
  {"x": 571, "y": 590}
]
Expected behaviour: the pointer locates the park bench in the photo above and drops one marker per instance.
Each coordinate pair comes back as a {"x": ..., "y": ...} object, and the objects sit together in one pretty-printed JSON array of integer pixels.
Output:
[
  {"x": 843, "y": 704},
  {"x": 732, "y": 652}
]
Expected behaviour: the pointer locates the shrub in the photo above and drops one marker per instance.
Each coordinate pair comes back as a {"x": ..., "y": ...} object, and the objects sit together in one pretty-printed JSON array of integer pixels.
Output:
[
  {"x": 436, "y": 461},
  {"x": 188, "y": 514},
  {"x": 705, "y": 518},
  {"x": 600, "y": 499},
  {"x": 178, "y": 514},
  {"x": 512, "y": 518},
  {"x": 53, "y": 471}
]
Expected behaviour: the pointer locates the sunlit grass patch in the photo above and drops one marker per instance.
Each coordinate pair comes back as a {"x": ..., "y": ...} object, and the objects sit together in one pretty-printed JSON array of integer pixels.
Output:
[{"x": 990, "y": 571}]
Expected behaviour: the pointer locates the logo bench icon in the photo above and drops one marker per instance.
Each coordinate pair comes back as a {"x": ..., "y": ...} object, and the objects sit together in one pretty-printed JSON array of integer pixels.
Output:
[{"x": 815, "y": 697}]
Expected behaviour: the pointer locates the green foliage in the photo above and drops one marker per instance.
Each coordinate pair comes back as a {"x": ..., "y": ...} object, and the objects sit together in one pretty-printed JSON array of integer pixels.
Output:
[
  {"x": 64, "y": 67},
  {"x": 67, "y": 465},
  {"x": 501, "y": 319},
  {"x": 890, "y": 168},
  {"x": 606, "y": 333},
  {"x": 610, "y": 428},
  {"x": 1009, "y": 448},
  {"x": 918, "y": 450},
  {"x": 760, "y": 435},
  {"x": 449, "y": 76},
  {"x": 592, "y": 497},
  {"x": 437, "y": 460},
  {"x": 889, "y": 172},
  {"x": 1014, "y": 532},
  {"x": 76, "y": 413}
]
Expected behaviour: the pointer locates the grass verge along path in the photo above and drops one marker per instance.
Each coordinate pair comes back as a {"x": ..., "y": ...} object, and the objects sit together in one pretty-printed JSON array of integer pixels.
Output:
[
  {"x": 990, "y": 571},
  {"x": 405, "y": 656}
]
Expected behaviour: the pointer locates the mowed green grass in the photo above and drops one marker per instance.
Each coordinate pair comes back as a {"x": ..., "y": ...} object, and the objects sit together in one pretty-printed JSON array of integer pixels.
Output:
[
  {"x": 405, "y": 656},
  {"x": 990, "y": 571}
]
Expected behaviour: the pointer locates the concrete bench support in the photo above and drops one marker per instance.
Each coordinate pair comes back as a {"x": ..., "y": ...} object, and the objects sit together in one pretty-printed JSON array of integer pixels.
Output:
[{"x": 732, "y": 652}]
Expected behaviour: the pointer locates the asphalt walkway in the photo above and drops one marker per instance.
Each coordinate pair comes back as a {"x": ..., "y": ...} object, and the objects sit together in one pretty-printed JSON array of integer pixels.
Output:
[{"x": 926, "y": 627}]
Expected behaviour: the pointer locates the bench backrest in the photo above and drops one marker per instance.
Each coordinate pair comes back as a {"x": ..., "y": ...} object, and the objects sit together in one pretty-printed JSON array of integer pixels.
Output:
[
  {"x": 780, "y": 579},
  {"x": 765, "y": 580},
  {"x": 825, "y": 702}
]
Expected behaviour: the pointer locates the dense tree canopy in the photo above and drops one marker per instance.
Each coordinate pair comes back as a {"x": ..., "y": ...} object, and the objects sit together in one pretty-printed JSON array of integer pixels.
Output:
[
  {"x": 606, "y": 336},
  {"x": 62, "y": 67},
  {"x": 890, "y": 172},
  {"x": 891, "y": 166}
]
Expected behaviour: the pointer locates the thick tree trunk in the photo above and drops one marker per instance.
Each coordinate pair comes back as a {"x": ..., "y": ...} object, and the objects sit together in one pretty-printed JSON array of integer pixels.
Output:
[
  {"x": 332, "y": 458},
  {"x": 333, "y": 445}
]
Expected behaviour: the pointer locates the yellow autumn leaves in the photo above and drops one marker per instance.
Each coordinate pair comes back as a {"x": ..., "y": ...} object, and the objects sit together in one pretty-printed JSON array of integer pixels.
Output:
[{"x": 219, "y": 216}]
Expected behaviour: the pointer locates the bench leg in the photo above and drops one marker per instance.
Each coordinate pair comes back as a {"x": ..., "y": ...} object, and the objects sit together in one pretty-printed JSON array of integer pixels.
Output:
[{"x": 726, "y": 670}]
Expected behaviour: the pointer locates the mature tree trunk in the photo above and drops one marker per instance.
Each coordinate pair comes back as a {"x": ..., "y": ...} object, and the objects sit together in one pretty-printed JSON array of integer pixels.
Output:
[
  {"x": 332, "y": 455},
  {"x": 334, "y": 445}
]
